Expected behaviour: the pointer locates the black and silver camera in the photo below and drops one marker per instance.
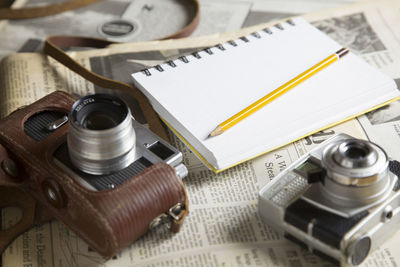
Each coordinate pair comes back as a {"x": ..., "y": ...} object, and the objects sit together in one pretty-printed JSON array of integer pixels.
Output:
[{"x": 340, "y": 200}]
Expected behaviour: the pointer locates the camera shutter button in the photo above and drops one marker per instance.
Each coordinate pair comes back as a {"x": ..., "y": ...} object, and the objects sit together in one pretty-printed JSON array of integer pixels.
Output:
[{"x": 54, "y": 193}]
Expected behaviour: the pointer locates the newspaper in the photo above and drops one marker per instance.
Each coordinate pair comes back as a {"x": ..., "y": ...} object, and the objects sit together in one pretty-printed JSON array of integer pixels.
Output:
[{"x": 223, "y": 227}]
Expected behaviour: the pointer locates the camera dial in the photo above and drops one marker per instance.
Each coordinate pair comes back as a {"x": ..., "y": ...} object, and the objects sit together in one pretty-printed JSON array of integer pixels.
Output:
[{"x": 101, "y": 138}]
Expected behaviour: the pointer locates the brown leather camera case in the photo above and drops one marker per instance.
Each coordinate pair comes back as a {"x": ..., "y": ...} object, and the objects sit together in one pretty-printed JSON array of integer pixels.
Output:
[{"x": 107, "y": 220}]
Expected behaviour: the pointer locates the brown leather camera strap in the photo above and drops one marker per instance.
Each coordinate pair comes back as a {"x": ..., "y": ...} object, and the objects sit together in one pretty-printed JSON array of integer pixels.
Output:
[{"x": 54, "y": 46}]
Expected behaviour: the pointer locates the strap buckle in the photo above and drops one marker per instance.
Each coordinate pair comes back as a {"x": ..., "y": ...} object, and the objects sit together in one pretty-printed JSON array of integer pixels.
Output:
[{"x": 174, "y": 215}]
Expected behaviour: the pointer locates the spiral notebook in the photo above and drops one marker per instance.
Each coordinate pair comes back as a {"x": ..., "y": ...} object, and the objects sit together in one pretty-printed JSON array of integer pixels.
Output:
[{"x": 195, "y": 93}]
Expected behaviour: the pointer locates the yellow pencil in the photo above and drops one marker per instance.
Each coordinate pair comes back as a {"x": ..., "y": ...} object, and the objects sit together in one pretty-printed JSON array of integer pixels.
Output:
[{"x": 278, "y": 92}]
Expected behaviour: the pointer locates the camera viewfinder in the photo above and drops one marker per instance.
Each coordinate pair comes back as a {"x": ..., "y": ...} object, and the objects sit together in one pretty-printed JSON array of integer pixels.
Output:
[
  {"x": 311, "y": 170},
  {"x": 160, "y": 150}
]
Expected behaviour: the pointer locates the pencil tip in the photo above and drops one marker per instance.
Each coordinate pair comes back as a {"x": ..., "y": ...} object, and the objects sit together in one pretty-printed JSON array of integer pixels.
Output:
[{"x": 217, "y": 131}]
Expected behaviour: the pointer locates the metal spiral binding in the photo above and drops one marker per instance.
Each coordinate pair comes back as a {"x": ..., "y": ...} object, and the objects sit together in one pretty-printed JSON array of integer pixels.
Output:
[
  {"x": 279, "y": 26},
  {"x": 171, "y": 63},
  {"x": 267, "y": 30},
  {"x": 220, "y": 47},
  {"x": 183, "y": 59},
  {"x": 244, "y": 39},
  {"x": 159, "y": 68},
  {"x": 208, "y": 50},
  {"x": 196, "y": 55},
  {"x": 232, "y": 43}
]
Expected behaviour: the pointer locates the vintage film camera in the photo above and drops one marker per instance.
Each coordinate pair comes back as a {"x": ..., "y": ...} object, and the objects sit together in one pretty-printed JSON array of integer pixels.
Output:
[
  {"x": 89, "y": 164},
  {"x": 340, "y": 201}
]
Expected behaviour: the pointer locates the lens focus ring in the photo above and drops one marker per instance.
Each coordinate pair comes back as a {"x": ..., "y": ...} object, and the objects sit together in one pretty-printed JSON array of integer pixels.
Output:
[
  {"x": 101, "y": 139},
  {"x": 355, "y": 162},
  {"x": 355, "y": 154}
]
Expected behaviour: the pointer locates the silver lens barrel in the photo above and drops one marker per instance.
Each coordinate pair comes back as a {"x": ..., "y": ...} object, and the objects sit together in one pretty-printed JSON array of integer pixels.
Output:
[
  {"x": 101, "y": 138},
  {"x": 357, "y": 173},
  {"x": 356, "y": 154},
  {"x": 355, "y": 162}
]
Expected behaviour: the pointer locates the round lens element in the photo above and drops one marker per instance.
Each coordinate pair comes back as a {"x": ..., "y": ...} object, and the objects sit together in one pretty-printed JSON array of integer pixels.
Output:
[
  {"x": 357, "y": 174},
  {"x": 99, "y": 121},
  {"x": 355, "y": 154},
  {"x": 99, "y": 112},
  {"x": 101, "y": 138}
]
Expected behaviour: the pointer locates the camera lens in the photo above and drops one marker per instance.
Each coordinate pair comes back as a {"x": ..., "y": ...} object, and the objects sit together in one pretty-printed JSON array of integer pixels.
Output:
[
  {"x": 356, "y": 173},
  {"x": 101, "y": 139},
  {"x": 355, "y": 162},
  {"x": 355, "y": 154},
  {"x": 99, "y": 112},
  {"x": 99, "y": 121}
]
